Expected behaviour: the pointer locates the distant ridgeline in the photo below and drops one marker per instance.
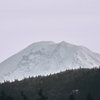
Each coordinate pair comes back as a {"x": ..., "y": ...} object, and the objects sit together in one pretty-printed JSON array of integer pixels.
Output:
[{"x": 77, "y": 84}]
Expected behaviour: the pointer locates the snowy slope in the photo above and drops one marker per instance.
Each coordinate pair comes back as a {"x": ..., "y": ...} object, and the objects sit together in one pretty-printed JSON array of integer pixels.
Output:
[{"x": 43, "y": 58}]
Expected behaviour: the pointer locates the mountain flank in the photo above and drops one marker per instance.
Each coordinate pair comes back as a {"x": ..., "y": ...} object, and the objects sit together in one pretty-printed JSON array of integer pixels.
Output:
[{"x": 45, "y": 58}]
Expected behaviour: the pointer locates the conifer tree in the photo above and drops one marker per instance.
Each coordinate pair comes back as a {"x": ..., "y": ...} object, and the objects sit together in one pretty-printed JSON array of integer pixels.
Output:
[
  {"x": 71, "y": 97},
  {"x": 3, "y": 95},
  {"x": 24, "y": 96},
  {"x": 42, "y": 97},
  {"x": 9, "y": 98},
  {"x": 89, "y": 97}
]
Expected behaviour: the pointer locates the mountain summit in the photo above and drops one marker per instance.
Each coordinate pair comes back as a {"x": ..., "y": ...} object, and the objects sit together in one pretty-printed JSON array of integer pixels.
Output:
[{"x": 44, "y": 58}]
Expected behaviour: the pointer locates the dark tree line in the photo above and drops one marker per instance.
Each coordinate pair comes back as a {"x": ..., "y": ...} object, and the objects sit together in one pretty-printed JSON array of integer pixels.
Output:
[
  {"x": 3, "y": 96},
  {"x": 59, "y": 86},
  {"x": 42, "y": 97}
]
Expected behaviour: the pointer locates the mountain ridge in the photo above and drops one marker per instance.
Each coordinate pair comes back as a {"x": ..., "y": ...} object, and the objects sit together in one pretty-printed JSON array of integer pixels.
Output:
[{"x": 47, "y": 57}]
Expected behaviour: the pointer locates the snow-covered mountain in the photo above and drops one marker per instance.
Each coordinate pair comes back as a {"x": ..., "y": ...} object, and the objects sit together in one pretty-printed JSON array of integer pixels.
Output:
[{"x": 43, "y": 58}]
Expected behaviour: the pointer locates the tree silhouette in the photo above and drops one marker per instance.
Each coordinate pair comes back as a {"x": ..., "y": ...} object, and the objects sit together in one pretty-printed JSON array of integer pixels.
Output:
[
  {"x": 71, "y": 97},
  {"x": 89, "y": 97},
  {"x": 9, "y": 98},
  {"x": 42, "y": 97},
  {"x": 3, "y": 95},
  {"x": 24, "y": 96}
]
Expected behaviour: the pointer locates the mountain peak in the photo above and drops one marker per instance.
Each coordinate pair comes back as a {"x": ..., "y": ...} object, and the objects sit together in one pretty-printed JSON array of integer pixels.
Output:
[
  {"x": 63, "y": 42},
  {"x": 43, "y": 58}
]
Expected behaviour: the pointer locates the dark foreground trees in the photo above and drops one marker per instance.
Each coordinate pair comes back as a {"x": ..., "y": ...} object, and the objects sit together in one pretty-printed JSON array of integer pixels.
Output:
[
  {"x": 24, "y": 96},
  {"x": 89, "y": 97},
  {"x": 71, "y": 97},
  {"x": 3, "y": 96},
  {"x": 42, "y": 97},
  {"x": 58, "y": 86}
]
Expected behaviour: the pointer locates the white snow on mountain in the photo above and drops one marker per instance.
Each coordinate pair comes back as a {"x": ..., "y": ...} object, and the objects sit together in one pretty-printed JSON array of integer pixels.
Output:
[{"x": 44, "y": 58}]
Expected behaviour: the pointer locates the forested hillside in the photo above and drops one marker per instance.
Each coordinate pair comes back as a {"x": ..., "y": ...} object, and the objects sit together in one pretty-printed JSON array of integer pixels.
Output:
[{"x": 61, "y": 86}]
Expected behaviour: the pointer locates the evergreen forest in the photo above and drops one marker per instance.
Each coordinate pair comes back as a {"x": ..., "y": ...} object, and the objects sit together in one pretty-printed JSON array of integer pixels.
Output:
[{"x": 74, "y": 84}]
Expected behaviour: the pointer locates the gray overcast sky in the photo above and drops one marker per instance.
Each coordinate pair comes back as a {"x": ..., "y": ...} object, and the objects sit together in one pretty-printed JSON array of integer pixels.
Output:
[{"x": 23, "y": 22}]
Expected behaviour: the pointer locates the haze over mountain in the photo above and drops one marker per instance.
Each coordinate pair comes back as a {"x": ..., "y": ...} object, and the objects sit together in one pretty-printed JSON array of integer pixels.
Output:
[{"x": 46, "y": 57}]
